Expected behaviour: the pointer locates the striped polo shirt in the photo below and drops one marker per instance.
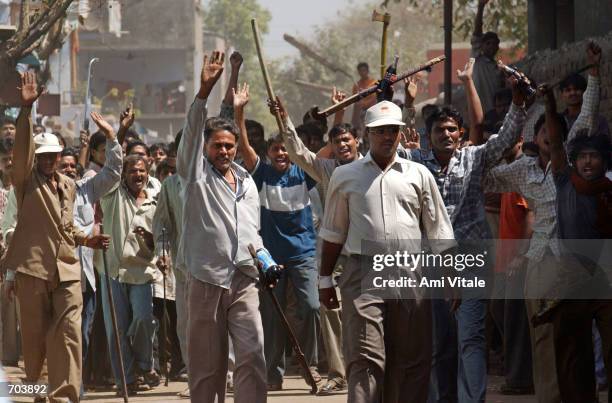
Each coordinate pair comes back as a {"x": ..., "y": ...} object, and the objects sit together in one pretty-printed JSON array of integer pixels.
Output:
[{"x": 287, "y": 229}]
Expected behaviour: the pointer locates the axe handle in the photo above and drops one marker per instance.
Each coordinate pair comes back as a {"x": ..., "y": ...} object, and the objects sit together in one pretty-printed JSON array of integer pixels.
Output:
[
  {"x": 264, "y": 71},
  {"x": 371, "y": 90},
  {"x": 383, "y": 50}
]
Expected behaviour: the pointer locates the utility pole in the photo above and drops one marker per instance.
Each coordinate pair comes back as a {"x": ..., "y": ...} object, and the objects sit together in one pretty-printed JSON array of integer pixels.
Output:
[{"x": 448, "y": 50}]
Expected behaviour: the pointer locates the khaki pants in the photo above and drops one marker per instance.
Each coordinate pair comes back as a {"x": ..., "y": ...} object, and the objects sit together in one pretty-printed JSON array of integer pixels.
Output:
[
  {"x": 9, "y": 335},
  {"x": 540, "y": 275},
  {"x": 387, "y": 343},
  {"x": 51, "y": 328},
  {"x": 331, "y": 332},
  {"x": 213, "y": 313}
]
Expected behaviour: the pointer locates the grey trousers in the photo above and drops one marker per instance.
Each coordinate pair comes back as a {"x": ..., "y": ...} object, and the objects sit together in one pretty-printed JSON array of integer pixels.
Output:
[
  {"x": 182, "y": 317},
  {"x": 387, "y": 343},
  {"x": 331, "y": 333},
  {"x": 213, "y": 313}
]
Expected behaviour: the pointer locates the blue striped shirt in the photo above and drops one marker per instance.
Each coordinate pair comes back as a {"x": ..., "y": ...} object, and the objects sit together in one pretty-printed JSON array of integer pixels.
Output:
[{"x": 287, "y": 229}]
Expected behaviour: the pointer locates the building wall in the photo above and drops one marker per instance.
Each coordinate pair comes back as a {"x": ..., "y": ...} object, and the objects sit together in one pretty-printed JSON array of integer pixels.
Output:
[{"x": 553, "y": 23}]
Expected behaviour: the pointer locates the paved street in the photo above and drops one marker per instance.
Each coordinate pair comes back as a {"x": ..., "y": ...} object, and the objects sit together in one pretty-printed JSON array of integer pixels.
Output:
[{"x": 295, "y": 391}]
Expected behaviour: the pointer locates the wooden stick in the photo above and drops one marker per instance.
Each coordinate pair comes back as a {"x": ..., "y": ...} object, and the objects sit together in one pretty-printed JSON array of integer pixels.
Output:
[
  {"x": 295, "y": 344},
  {"x": 371, "y": 90},
  {"x": 266, "y": 76}
]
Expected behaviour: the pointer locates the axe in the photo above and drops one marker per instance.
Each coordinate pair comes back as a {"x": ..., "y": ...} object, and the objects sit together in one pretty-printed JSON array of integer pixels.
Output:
[{"x": 385, "y": 19}]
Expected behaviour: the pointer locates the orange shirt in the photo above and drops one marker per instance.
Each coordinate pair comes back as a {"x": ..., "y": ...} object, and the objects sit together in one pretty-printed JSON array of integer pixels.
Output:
[{"x": 512, "y": 222}]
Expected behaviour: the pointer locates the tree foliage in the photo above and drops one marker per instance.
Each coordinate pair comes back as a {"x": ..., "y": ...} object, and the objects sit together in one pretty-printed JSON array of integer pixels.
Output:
[
  {"x": 231, "y": 19},
  {"x": 506, "y": 17},
  {"x": 352, "y": 37}
]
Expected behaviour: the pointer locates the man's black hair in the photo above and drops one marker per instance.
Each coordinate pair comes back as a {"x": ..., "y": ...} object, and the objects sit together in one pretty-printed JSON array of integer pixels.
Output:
[
  {"x": 600, "y": 142},
  {"x": 215, "y": 124},
  {"x": 490, "y": 35},
  {"x": 276, "y": 139},
  {"x": 95, "y": 141},
  {"x": 70, "y": 152},
  {"x": 442, "y": 113},
  {"x": 7, "y": 121},
  {"x": 162, "y": 146},
  {"x": 6, "y": 145},
  {"x": 540, "y": 122},
  {"x": 254, "y": 126},
  {"x": 342, "y": 128},
  {"x": 363, "y": 65},
  {"x": 133, "y": 144},
  {"x": 133, "y": 159},
  {"x": 575, "y": 80},
  {"x": 164, "y": 166}
]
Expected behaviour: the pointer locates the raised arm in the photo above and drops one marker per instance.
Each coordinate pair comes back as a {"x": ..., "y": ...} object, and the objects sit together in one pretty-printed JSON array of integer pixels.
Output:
[
  {"x": 410, "y": 93},
  {"x": 299, "y": 154},
  {"x": 249, "y": 156},
  {"x": 84, "y": 150},
  {"x": 110, "y": 175},
  {"x": 473, "y": 102},
  {"x": 587, "y": 118},
  {"x": 558, "y": 158},
  {"x": 126, "y": 120},
  {"x": 190, "y": 161},
  {"x": 337, "y": 97},
  {"x": 23, "y": 151},
  {"x": 511, "y": 130},
  {"x": 227, "y": 106},
  {"x": 479, "y": 17}
]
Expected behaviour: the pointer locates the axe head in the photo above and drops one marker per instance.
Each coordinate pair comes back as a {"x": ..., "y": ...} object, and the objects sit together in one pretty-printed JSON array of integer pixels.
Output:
[{"x": 384, "y": 18}]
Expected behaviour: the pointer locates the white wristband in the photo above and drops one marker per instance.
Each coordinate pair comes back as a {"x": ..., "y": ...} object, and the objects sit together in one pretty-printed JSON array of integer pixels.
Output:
[
  {"x": 326, "y": 282},
  {"x": 10, "y": 275}
]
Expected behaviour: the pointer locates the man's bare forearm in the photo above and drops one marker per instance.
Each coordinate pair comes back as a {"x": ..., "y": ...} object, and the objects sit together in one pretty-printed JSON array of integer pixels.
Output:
[{"x": 330, "y": 252}]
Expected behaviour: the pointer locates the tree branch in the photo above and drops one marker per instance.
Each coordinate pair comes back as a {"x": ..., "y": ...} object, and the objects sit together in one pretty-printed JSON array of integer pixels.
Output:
[{"x": 16, "y": 48}]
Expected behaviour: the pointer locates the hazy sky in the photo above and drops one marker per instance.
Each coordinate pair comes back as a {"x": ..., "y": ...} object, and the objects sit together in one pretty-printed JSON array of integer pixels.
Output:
[{"x": 297, "y": 17}]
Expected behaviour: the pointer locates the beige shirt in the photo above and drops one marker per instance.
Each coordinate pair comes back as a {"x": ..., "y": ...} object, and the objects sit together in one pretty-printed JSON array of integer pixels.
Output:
[
  {"x": 129, "y": 258},
  {"x": 367, "y": 204},
  {"x": 45, "y": 236}
]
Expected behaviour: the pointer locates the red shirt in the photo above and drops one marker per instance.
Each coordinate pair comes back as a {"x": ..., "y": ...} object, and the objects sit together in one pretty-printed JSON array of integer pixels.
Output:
[{"x": 512, "y": 222}]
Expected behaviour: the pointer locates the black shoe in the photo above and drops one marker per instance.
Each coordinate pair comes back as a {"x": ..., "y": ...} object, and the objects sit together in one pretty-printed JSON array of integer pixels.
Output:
[
  {"x": 132, "y": 389},
  {"x": 274, "y": 387}
]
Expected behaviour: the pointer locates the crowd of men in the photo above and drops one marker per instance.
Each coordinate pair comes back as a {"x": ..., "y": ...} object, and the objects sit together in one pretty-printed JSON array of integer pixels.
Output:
[{"x": 167, "y": 228}]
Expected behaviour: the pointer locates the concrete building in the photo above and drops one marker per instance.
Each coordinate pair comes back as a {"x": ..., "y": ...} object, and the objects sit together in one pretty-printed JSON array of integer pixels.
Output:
[{"x": 155, "y": 61}]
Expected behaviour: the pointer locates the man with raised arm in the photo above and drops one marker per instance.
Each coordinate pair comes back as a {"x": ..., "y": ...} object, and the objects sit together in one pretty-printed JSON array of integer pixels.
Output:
[
  {"x": 290, "y": 237},
  {"x": 48, "y": 275},
  {"x": 221, "y": 218}
]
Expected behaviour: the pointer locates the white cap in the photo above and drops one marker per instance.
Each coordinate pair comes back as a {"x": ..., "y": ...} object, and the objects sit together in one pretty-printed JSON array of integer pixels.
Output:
[
  {"x": 47, "y": 143},
  {"x": 384, "y": 113}
]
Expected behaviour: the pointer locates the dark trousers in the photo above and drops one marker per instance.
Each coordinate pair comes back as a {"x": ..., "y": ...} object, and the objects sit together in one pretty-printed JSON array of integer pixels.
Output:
[
  {"x": 172, "y": 352},
  {"x": 510, "y": 317},
  {"x": 87, "y": 317},
  {"x": 573, "y": 341}
]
